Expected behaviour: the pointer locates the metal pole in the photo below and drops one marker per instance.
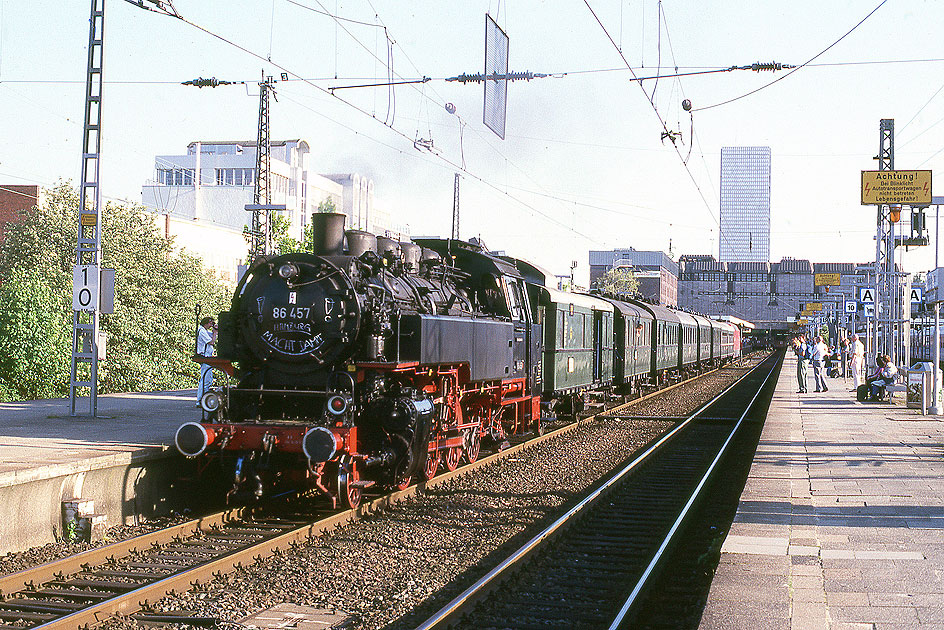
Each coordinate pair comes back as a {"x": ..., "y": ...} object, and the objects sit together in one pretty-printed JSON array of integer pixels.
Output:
[{"x": 934, "y": 410}]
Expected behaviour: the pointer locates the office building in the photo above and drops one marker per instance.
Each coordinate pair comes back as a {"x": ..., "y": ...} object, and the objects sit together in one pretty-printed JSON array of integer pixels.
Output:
[{"x": 745, "y": 205}]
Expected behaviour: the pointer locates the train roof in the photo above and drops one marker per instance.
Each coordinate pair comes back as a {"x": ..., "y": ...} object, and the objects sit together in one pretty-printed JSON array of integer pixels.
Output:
[
  {"x": 628, "y": 308},
  {"x": 532, "y": 273},
  {"x": 702, "y": 321},
  {"x": 659, "y": 312},
  {"x": 578, "y": 299},
  {"x": 469, "y": 257}
]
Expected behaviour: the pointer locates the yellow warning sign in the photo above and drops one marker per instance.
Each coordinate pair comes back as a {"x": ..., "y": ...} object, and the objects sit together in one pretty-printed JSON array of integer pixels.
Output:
[
  {"x": 803, "y": 322},
  {"x": 826, "y": 279},
  {"x": 907, "y": 187},
  {"x": 814, "y": 307},
  {"x": 88, "y": 219},
  {"x": 806, "y": 313}
]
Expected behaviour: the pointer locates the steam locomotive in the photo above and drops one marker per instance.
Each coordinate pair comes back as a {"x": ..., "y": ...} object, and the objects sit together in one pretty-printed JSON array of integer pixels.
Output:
[{"x": 371, "y": 362}]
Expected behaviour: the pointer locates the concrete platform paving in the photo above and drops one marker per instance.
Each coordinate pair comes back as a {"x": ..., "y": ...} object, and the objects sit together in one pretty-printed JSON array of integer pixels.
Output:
[
  {"x": 119, "y": 459},
  {"x": 841, "y": 523}
]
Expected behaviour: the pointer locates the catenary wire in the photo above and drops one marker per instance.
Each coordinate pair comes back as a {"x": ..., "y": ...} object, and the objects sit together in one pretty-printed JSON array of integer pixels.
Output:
[{"x": 802, "y": 65}]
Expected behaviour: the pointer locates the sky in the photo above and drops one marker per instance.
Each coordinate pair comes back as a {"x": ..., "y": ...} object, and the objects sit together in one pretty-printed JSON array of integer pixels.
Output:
[{"x": 583, "y": 165}]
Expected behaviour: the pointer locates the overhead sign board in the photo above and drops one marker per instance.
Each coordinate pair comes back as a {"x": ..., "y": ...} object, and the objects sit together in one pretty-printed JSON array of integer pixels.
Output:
[
  {"x": 826, "y": 279},
  {"x": 907, "y": 187},
  {"x": 867, "y": 295},
  {"x": 814, "y": 306}
]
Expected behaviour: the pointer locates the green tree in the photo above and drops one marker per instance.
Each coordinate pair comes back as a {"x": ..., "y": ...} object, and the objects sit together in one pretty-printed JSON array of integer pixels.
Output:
[
  {"x": 150, "y": 335},
  {"x": 618, "y": 281},
  {"x": 36, "y": 335}
]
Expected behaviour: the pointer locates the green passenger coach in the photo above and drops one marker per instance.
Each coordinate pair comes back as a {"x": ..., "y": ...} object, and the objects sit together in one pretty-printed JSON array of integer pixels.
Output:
[{"x": 578, "y": 341}]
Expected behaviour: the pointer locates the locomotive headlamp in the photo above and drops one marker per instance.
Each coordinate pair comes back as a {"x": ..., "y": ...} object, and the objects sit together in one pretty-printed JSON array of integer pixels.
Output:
[
  {"x": 288, "y": 270},
  {"x": 337, "y": 405},
  {"x": 210, "y": 401}
]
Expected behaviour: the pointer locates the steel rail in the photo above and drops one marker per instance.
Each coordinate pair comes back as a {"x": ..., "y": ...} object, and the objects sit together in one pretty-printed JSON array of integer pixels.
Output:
[
  {"x": 134, "y": 600},
  {"x": 482, "y": 587},
  {"x": 641, "y": 583}
]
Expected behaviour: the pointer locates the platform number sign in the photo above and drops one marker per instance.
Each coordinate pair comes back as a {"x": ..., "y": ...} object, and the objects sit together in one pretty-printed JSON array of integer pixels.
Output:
[
  {"x": 917, "y": 294},
  {"x": 84, "y": 287},
  {"x": 850, "y": 307}
]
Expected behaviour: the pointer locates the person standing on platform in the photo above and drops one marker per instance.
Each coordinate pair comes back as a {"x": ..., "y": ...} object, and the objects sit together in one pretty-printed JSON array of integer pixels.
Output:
[
  {"x": 857, "y": 361},
  {"x": 802, "y": 352},
  {"x": 818, "y": 359},
  {"x": 206, "y": 342}
]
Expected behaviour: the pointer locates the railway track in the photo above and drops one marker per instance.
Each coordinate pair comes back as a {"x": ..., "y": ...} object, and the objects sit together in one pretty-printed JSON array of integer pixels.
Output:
[
  {"x": 86, "y": 589},
  {"x": 588, "y": 568}
]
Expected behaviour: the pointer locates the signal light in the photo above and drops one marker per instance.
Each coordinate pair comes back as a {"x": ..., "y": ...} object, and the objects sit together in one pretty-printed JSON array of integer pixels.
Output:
[{"x": 894, "y": 214}]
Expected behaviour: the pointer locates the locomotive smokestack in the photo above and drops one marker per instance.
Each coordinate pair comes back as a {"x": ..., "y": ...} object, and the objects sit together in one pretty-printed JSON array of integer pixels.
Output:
[
  {"x": 411, "y": 255},
  {"x": 328, "y": 233},
  {"x": 359, "y": 242}
]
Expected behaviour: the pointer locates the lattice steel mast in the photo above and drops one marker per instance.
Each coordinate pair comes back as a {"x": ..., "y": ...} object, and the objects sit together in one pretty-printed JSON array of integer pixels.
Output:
[
  {"x": 83, "y": 372},
  {"x": 261, "y": 195},
  {"x": 886, "y": 280},
  {"x": 455, "y": 209}
]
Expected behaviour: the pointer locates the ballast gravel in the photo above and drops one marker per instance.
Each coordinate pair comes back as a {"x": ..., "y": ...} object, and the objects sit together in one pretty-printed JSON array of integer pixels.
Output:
[{"x": 396, "y": 568}]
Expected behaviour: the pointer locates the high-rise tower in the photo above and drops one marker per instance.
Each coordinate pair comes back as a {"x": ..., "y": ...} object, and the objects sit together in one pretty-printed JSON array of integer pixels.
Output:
[{"x": 745, "y": 205}]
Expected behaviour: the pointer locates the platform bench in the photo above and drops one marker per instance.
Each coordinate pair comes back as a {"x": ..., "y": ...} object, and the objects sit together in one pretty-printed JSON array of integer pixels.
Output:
[{"x": 891, "y": 390}]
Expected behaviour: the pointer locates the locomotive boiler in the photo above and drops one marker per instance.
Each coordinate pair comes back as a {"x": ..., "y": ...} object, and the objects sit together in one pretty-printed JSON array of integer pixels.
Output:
[{"x": 368, "y": 363}]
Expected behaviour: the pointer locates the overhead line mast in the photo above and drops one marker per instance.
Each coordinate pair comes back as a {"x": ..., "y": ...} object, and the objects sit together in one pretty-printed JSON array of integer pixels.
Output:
[{"x": 87, "y": 273}]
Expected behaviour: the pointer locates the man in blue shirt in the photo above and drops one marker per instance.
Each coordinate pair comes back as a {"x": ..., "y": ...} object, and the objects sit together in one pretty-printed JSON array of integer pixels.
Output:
[{"x": 802, "y": 354}]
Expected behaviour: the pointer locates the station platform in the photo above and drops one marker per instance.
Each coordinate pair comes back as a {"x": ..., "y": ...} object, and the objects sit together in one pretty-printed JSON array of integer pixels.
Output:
[
  {"x": 841, "y": 523},
  {"x": 122, "y": 459}
]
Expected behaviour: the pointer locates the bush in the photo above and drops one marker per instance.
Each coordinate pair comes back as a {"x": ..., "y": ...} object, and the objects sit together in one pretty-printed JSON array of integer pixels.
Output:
[{"x": 150, "y": 335}]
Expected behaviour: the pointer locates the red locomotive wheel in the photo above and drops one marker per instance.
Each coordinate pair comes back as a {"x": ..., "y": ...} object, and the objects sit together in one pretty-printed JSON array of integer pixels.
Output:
[
  {"x": 453, "y": 456},
  {"x": 431, "y": 465},
  {"x": 472, "y": 444},
  {"x": 348, "y": 492},
  {"x": 404, "y": 483}
]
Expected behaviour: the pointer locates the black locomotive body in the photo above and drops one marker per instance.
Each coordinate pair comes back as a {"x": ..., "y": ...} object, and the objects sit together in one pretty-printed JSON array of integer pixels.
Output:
[
  {"x": 375, "y": 363},
  {"x": 368, "y": 366}
]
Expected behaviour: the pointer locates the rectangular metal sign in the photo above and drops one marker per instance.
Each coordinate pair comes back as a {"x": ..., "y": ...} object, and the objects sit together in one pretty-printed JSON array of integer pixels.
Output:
[
  {"x": 814, "y": 306},
  {"x": 84, "y": 288},
  {"x": 907, "y": 187},
  {"x": 867, "y": 295},
  {"x": 917, "y": 293},
  {"x": 826, "y": 279},
  {"x": 850, "y": 307},
  {"x": 88, "y": 219}
]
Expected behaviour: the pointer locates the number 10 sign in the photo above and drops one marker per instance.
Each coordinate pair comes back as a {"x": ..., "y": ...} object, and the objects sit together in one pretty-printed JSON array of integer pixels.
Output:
[{"x": 84, "y": 288}]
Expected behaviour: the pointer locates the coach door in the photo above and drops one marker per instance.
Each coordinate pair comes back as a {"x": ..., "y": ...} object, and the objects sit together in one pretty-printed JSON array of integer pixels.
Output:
[{"x": 597, "y": 345}]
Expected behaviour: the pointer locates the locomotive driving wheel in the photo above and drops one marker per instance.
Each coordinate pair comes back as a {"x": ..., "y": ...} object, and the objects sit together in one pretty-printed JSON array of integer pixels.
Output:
[
  {"x": 349, "y": 492},
  {"x": 432, "y": 461},
  {"x": 472, "y": 443},
  {"x": 453, "y": 456}
]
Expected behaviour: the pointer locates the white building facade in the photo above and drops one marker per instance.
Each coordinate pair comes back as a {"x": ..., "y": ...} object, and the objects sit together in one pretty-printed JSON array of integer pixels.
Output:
[
  {"x": 211, "y": 185},
  {"x": 745, "y": 205}
]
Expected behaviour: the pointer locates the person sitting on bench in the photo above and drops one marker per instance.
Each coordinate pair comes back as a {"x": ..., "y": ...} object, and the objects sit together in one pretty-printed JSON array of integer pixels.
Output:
[{"x": 884, "y": 377}]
